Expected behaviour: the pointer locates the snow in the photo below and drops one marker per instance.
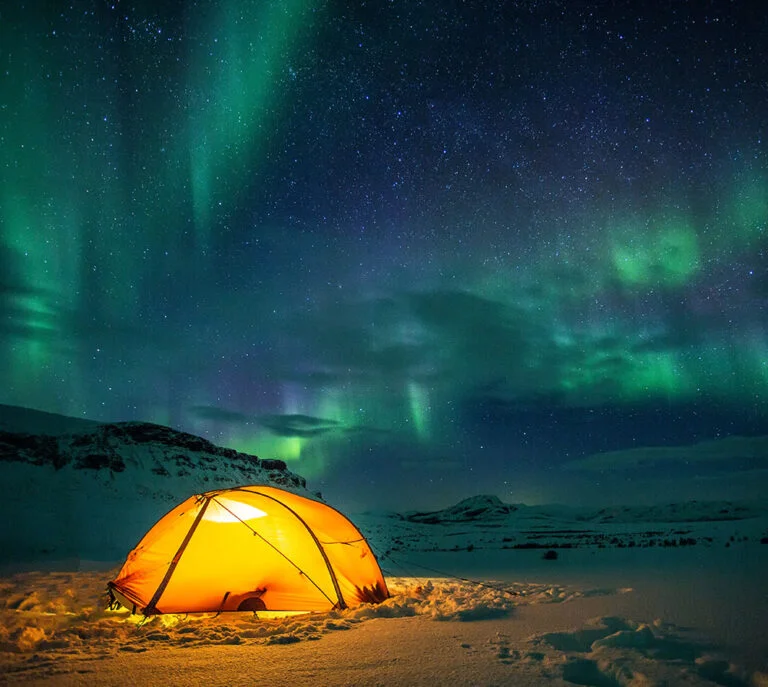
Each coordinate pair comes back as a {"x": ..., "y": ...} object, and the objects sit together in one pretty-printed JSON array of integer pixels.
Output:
[
  {"x": 679, "y": 525},
  {"x": 692, "y": 615},
  {"x": 91, "y": 489},
  {"x": 670, "y": 594},
  {"x": 55, "y": 629}
]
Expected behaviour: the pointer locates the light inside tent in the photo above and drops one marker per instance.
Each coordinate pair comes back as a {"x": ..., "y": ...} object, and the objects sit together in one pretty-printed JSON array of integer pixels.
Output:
[{"x": 221, "y": 509}]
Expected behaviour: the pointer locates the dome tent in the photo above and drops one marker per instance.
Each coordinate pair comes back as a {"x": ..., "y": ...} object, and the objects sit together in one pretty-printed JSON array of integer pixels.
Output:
[{"x": 249, "y": 548}]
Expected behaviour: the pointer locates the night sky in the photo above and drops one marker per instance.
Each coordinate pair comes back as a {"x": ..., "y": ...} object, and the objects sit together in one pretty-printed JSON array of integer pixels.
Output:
[{"x": 417, "y": 250}]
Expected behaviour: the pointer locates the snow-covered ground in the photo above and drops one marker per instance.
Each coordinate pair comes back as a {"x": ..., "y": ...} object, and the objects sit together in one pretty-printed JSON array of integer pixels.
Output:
[
  {"x": 485, "y": 523},
  {"x": 483, "y": 593},
  {"x": 692, "y": 615},
  {"x": 55, "y": 630}
]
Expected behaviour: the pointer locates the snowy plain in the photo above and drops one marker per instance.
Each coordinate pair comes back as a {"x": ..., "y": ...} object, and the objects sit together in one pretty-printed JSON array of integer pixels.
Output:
[
  {"x": 483, "y": 593},
  {"x": 691, "y": 614}
]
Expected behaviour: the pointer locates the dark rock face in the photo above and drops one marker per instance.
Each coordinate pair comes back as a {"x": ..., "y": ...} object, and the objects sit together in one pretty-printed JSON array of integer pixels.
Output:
[
  {"x": 31, "y": 448},
  {"x": 98, "y": 461}
]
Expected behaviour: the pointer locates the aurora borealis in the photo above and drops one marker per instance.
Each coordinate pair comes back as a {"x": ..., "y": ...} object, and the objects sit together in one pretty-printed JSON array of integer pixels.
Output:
[{"x": 417, "y": 250}]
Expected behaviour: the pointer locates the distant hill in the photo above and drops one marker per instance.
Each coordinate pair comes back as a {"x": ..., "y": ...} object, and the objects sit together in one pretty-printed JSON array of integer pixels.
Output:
[
  {"x": 489, "y": 508},
  {"x": 486, "y": 524},
  {"x": 476, "y": 508}
]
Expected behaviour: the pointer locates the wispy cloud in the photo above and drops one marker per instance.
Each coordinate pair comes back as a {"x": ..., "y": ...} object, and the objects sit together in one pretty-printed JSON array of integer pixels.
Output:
[
  {"x": 733, "y": 449},
  {"x": 297, "y": 425},
  {"x": 287, "y": 425}
]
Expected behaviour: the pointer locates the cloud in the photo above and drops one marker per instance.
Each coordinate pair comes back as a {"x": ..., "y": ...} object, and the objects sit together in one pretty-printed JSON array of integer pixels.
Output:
[
  {"x": 288, "y": 425},
  {"x": 731, "y": 449},
  {"x": 513, "y": 345},
  {"x": 28, "y": 313},
  {"x": 452, "y": 339},
  {"x": 753, "y": 475},
  {"x": 364, "y": 340},
  {"x": 297, "y": 425}
]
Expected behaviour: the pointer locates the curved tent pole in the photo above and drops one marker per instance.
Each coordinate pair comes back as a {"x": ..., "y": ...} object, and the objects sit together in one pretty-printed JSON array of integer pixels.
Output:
[
  {"x": 272, "y": 546},
  {"x": 362, "y": 538},
  {"x": 336, "y": 587},
  {"x": 151, "y": 606}
]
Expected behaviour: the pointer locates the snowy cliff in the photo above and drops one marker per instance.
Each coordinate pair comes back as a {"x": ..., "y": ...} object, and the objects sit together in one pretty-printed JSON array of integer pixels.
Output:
[{"x": 76, "y": 488}]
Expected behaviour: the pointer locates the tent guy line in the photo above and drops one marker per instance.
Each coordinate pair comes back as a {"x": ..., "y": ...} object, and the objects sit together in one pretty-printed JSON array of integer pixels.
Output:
[{"x": 303, "y": 572}]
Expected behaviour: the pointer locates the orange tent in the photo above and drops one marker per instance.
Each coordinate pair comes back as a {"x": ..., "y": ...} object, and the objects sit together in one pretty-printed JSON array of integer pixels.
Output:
[{"x": 249, "y": 548}]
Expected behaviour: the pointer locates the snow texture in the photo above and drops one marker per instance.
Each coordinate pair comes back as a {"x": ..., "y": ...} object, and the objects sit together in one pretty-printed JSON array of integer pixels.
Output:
[{"x": 54, "y": 628}]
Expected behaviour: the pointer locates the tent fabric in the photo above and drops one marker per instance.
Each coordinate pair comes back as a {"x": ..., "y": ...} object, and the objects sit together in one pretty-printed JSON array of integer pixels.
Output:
[{"x": 249, "y": 548}]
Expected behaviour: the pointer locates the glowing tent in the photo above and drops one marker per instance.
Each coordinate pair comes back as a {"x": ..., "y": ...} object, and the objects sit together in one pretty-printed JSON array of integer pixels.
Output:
[{"x": 249, "y": 548}]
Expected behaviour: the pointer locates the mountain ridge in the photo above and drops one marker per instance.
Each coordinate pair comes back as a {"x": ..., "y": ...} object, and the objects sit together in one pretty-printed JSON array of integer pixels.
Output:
[
  {"x": 490, "y": 508},
  {"x": 92, "y": 489},
  {"x": 96, "y": 448}
]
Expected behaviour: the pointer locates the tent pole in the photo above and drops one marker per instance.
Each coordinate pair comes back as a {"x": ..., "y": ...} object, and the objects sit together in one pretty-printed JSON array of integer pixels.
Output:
[
  {"x": 151, "y": 609},
  {"x": 341, "y": 603}
]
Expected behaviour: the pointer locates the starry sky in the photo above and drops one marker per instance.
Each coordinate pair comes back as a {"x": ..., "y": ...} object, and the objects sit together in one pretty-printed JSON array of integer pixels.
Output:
[{"x": 418, "y": 250}]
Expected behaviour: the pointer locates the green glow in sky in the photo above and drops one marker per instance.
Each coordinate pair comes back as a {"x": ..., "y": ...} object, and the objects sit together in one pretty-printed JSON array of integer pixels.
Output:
[
  {"x": 418, "y": 398},
  {"x": 656, "y": 374},
  {"x": 664, "y": 254},
  {"x": 749, "y": 208},
  {"x": 242, "y": 55}
]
